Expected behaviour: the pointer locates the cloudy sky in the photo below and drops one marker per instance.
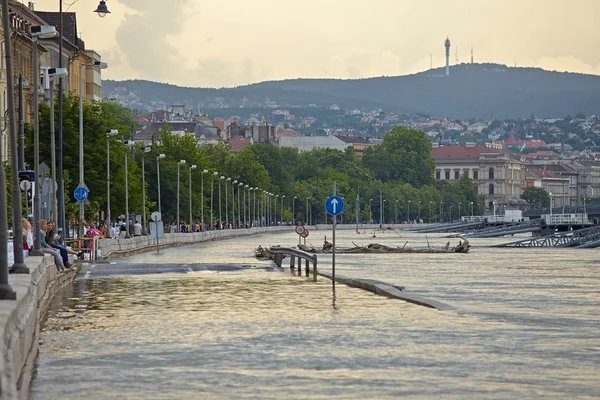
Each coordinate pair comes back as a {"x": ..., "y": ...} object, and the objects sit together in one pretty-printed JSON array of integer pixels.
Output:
[{"x": 216, "y": 43}]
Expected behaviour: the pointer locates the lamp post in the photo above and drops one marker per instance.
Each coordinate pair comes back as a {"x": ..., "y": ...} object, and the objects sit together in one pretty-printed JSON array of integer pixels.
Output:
[
  {"x": 551, "y": 201},
  {"x": 220, "y": 214},
  {"x": 158, "y": 158},
  {"x": 471, "y": 204},
  {"x": 246, "y": 208},
  {"x": 383, "y": 211},
  {"x": 6, "y": 291},
  {"x": 430, "y": 211},
  {"x": 100, "y": 65},
  {"x": 396, "y": 211},
  {"x": 54, "y": 73},
  {"x": 254, "y": 205},
  {"x": 127, "y": 145},
  {"x": 226, "y": 204},
  {"x": 294, "y": 209},
  {"x": 408, "y": 211},
  {"x": 192, "y": 167},
  {"x": 419, "y": 213},
  {"x": 450, "y": 214},
  {"x": 179, "y": 164},
  {"x": 212, "y": 185},
  {"x": 441, "y": 211},
  {"x": 110, "y": 133},
  {"x": 240, "y": 187},
  {"x": 233, "y": 183},
  {"x": 145, "y": 149},
  {"x": 459, "y": 204},
  {"x": 204, "y": 171},
  {"x": 306, "y": 215},
  {"x": 281, "y": 212},
  {"x": 370, "y": 211},
  {"x": 494, "y": 205},
  {"x": 19, "y": 266}
]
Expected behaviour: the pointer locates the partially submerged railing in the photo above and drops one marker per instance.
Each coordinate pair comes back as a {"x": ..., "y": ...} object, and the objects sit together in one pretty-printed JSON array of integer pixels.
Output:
[{"x": 280, "y": 252}]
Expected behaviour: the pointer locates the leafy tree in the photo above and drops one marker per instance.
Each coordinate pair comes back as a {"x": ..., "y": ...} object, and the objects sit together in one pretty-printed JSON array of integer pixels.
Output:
[
  {"x": 404, "y": 155},
  {"x": 537, "y": 197}
]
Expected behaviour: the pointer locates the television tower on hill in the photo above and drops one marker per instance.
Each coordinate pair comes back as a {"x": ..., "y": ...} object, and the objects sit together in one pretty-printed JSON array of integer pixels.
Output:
[{"x": 447, "y": 44}]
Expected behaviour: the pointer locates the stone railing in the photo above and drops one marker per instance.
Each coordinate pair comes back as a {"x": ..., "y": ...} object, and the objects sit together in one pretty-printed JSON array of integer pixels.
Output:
[
  {"x": 20, "y": 323},
  {"x": 114, "y": 248}
]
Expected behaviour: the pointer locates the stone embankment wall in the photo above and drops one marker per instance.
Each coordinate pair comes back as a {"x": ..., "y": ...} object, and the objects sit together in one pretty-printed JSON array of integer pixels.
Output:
[
  {"x": 20, "y": 322},
  {"x": 109, "y": 249}
]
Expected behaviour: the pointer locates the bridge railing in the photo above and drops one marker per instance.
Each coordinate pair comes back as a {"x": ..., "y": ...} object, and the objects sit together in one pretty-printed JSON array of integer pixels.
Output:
[
  {"x": 565, "y": 219},
  {"x": 280, "y": 252}
]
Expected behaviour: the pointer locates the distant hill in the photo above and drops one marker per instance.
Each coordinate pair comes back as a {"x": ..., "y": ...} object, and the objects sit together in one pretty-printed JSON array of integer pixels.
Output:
[{"x": 471, "y": 91}]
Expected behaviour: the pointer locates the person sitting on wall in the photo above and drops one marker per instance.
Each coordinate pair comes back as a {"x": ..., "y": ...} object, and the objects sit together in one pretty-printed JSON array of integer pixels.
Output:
[{"x": 49, "y": 250}]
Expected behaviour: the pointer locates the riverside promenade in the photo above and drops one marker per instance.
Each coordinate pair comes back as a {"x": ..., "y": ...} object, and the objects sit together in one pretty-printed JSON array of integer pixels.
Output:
[{"x": 20, "y": 319}]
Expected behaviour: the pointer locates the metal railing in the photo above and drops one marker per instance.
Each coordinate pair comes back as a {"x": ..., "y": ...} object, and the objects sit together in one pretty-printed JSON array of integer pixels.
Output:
[{"x": 280, "y": 252}]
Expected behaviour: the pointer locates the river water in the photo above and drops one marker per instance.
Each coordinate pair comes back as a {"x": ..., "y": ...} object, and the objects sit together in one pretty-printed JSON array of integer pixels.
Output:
[{"x": 525, "y": 325}]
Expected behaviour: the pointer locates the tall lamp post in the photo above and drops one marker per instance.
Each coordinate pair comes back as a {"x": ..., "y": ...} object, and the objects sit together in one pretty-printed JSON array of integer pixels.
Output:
[
  {"x": 419, "y": 213},
  {"x": 430, "y": 211},
  {"x": 281, "y": 212},
  {"x": 128, "y": 144},
  {"x": 370, "y": 211},
  {"x": 54, "y": 73},
  {"x": 158, "y": 158},
  {"x": 233, "y": 183},
  {"x": 294, "y": 209},
  {"x": 383, "y": 211},
  {"x": 306, "y": 215},
  {"x": 246, "y": 188},
  {"x": 220, "y": 214},
  {"x": 459, "y": 204},
  {"x": 179, "y": 164},
  {"x": 226, "y": 204},
  {"x": 212, "y": 186},
  {"x": 110, "y": 133},
  {"x": 145, "y": 149},
  {"x": 192, "y": 167},
  {"x": 441, "y": 210},
  {"x": 204, "y": 171},
  {"x": 19, "y": 266},
  {"x": 100, "y": 65},
  {"x": 408, "y": 211},
  {"x": 396, "y": 211},
  {"x": 471, "y": 204},
  {"x": 240, "y": 187},
  {"x": 451, "y": 214}
]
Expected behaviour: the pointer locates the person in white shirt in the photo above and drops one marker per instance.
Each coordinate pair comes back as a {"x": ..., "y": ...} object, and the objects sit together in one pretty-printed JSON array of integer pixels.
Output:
[{"x": 137, "y": 229}]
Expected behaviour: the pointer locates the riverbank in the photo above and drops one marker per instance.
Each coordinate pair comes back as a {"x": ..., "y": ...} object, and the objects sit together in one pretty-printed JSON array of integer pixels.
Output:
[{"x": 20, "y": 322}]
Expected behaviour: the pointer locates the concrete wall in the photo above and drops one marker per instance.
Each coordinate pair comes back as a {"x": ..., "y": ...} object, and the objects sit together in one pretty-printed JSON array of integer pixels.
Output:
[
  {"x": 114, "y": 248},
  {"x": 20, "y": 323}
]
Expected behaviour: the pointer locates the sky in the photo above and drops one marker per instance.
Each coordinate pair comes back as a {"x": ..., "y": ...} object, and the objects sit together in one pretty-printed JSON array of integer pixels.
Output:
[{"x": 225, "y": 43}]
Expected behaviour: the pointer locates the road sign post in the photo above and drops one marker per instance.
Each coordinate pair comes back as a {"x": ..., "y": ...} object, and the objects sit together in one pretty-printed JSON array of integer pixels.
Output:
[
  {"x": 158, "y": 230},
  {"x": 81, "y": 193},
  {"x": 334, "y": 206}
]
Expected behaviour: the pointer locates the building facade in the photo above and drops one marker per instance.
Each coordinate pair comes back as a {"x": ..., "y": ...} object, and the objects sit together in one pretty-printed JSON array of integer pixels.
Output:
[{"x": 497, "y": 176}]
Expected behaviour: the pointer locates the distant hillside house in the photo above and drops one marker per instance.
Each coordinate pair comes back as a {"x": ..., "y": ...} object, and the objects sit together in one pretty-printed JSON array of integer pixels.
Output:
[
  {"x": 529, "y": 143},
  {"x": 308, "y": 143},
  {"x": 239, "y": 144},
  {"x": 359, "y": 143},
  {"x": 497, "y": 175},
  {"x": 263, "y": 133}
]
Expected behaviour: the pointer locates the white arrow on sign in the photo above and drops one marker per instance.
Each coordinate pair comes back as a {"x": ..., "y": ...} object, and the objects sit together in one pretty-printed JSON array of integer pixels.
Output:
[{"x": 334, "y": 203}]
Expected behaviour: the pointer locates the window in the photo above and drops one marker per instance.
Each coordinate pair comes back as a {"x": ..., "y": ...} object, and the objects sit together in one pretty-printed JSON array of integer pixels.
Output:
[
  {"x": 466, "y": 174},
  {"x": 491, "y": 188},
  {"x": 456, "y": 175},
  {"x": 447, "y": 175},
  {"x": 491, "y": 173},
  {"x": 475, "y": 174},
  {"x": 437, "y": 175}
]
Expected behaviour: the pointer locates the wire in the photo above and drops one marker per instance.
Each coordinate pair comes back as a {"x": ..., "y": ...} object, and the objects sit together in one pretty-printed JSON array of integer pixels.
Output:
[{"x": 69, "y": 5}]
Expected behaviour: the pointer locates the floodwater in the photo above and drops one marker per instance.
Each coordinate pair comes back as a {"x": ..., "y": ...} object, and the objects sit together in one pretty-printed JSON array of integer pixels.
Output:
[{"x": 526, "y": 325}]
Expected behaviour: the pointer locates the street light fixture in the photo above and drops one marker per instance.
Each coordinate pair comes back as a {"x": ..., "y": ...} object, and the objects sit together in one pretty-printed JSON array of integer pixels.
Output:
[
  {"x": 102, "y": 10},
  {"x": 226, "y": 204},
  {"x": 204, "y": 171},
  {"x": 158, "y": 158},
  {"x": 233, "y": 183},
  {"x": 192, "y": 167},
  {"x": 294, "y": 209},
  {"x": 282, "y": 197},
  {"x": 127, "y": 145},
  {"x": 241, "y": 186},
  {"x": 419, "y": 213},
  {"x": 99, "y": 65},
  {"x": 459, "y": 204},
  {"x": 179, "y": 164},
  {"x": 110, "y": 133},
  {"x": 430, "y": 211},
  {"x": 220, "y": 214},
  {"x": 246, "y": 208},
  {"x": 212, "y": 185},
  {"x": 408, "y": 211},
  {"x": 145, "y": 149},
  {"x": 471, "y": 204},
  {"x": 370, "y": 211}
]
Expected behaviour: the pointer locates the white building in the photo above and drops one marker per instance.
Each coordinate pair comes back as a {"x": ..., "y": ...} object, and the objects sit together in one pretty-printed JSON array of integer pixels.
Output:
[{"x": 308, "y": 143}]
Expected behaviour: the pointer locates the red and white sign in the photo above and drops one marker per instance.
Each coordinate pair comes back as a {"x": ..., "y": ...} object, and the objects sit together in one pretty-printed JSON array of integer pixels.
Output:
[
  {"x": 300, "y": 229},
  {"x": 305, "y": 233}
]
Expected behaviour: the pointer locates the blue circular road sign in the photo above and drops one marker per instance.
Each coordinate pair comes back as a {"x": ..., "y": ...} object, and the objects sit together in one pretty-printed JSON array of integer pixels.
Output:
[
  {"x": 81, "y": 193},
  {"x": 334, "y": 205}
]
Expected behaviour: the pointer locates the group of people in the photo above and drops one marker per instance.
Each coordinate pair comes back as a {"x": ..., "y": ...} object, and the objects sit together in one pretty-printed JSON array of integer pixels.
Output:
[{"x": 50, "y": 243}]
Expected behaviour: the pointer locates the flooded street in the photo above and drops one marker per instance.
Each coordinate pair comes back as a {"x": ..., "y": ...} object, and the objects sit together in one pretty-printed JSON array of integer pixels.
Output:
[{"x": 525, "y": 326}]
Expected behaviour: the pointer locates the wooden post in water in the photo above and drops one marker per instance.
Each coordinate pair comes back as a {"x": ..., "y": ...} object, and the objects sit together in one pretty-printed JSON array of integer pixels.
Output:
[
  {"x": 292, "y": 261},
  {"x": 306, "y": 267},
  {"x": 315, "y": 273}
]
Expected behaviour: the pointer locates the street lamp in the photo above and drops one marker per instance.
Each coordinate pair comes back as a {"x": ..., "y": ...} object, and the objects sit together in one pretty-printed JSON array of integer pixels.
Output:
[
  {"x": 110, "y": 133},
  {"x": 233, "y": 183},
  {"x": 246, "y": 208},
  {"x": 551, "y": 201},
  {"x": 100, "y": 65},
  {"x": 282, "y": 197},
  {"x": 145, "y": 149},
  {"x": 451, "y": 214},
  {"x": 370, "y": 212},
  {"x": 294, "y": 209},
  {"x": 459, "y": 204},
  {"x": 204, "y": 171},
  {"x": 37, "y": 32},
  {"x": 419, "y": 213},
  {"x": 408, "y": 211},
  {"x": 179, "y": 164},
  {"x": 54, "y": 73},
  {"x": 396, "y": 211},
  {"x": 212, "y": 185},
  {"x": 471, "y": 204},
  {"x": 158, "y": 158},
  {"x": 127, "y": 144},
  {"x": 306, "y": 215},
  {"x": 430, "y": 211},
  {"x": 441, "y": 211},
  {"x": 240, "y": 186},
  {"x": 102, "y": 10},
  {"x": 383, "y": 211},
  {"x": 226, "y": 204},
  {"x": 220, "y": 214},
  {"x": 192, "y": 167}
]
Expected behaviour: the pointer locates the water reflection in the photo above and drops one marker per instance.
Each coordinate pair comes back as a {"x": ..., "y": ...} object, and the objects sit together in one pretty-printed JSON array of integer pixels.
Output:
[{"x": 526, "y": 327}]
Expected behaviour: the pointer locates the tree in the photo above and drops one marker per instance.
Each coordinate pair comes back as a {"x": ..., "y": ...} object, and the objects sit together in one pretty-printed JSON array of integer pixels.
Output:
[
  {"x": 537, "y": 197},
  {"x": 404, "y": 155}
]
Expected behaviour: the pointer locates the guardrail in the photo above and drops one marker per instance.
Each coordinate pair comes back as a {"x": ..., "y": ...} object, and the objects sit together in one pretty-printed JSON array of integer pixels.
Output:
[{"x": 280, "y": 252}]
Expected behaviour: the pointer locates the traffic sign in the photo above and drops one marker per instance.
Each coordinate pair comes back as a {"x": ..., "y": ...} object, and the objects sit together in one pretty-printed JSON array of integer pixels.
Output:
[
  {"x": 155, "y": 216},
  {"x": 334, "y": 205},
  {"x": 25, "y": 185},
  {"x": 304, "y": 234},
  {"x": 300, "y": 229},
  {"x": 81, "y": 193}
]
